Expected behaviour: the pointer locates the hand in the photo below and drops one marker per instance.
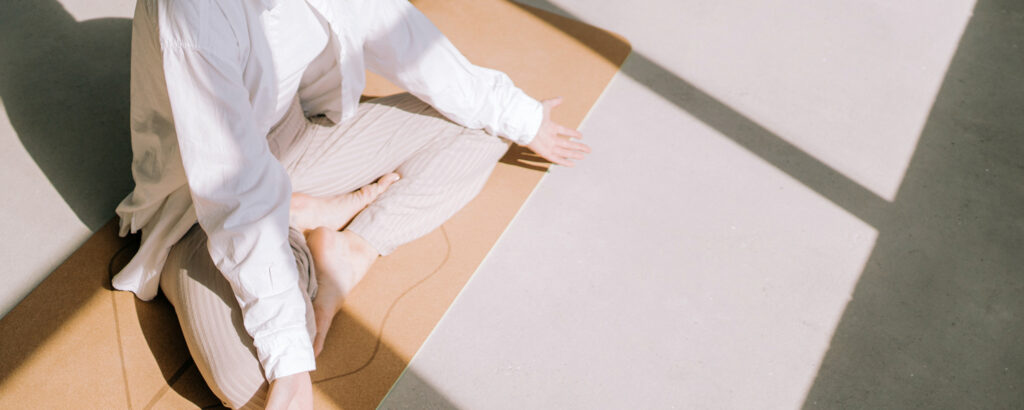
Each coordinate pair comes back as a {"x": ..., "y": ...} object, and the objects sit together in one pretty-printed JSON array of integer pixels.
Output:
[
  {"x": 549, "y": 143},
  {"x": 291, "y": 392}
]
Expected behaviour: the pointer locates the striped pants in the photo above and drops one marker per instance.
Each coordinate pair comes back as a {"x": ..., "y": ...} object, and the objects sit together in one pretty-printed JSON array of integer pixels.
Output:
[{"x": 443, "y": 166}]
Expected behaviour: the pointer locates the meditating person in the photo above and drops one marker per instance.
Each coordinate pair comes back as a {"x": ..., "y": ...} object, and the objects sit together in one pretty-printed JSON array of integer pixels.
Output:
[{"x": 265, "y": 189}]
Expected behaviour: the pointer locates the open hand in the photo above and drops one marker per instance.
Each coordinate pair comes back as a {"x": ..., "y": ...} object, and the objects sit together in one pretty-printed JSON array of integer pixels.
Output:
[{"x": 554, "y": 142}]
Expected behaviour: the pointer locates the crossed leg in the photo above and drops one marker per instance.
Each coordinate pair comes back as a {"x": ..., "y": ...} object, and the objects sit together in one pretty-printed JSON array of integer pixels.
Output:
[
  {"x": 333, "y": 169},
  {"x": 448, "y": 167},
  {"x": 341, "y": 258}
]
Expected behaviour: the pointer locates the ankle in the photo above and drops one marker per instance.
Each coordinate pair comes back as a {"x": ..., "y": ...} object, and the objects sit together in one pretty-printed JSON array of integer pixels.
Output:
[{"x": 361, "y": 252}]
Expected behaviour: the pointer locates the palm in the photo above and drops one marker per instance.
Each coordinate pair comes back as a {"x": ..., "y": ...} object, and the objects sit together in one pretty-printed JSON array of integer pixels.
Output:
[{"x": 555, "y": 142}]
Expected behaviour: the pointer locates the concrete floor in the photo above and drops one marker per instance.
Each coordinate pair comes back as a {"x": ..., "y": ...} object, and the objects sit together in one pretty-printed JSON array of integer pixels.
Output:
[{"x": 789, "y": 204}]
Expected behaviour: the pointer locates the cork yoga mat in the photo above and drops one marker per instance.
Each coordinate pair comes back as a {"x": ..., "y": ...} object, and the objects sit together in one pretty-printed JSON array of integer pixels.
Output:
[{"x": 73, "y": 342}]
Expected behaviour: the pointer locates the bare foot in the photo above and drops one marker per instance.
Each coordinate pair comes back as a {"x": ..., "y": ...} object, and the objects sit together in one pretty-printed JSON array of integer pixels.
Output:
[
  {"x": 341, "y": 260},
  {"x": 310, "y": 212}
]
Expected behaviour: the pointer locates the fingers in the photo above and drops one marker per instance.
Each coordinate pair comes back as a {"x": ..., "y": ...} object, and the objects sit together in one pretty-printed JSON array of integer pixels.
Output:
[
  {"x": 564, "y": 156},
  {"x": 558, "y": 150},
  {"x": 562, "y": 151},
  {"x": 560, "y": 160},
  {"x": 576, "y": 146},
  {"x": 562, "y": 130},
  {"x": 577, "y": 149},
  {"x": 551, "y": 103},
  {"x": 569, "y": 154},
  {"x": 569, "y": 132}
]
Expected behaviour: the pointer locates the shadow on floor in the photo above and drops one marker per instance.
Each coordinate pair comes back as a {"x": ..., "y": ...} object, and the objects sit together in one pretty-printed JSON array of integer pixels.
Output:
[
  {"x": 525, "y": 158},
  {"x": 82, "y": 286},
  {"x": 64, "y": 85},
  {"x": 935, "y": 320},
  {"x": 340, "y": 376}
]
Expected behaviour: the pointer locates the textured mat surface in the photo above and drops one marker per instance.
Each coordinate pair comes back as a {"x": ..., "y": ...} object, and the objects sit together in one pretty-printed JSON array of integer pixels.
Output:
[{"x": 75, "y": 343}]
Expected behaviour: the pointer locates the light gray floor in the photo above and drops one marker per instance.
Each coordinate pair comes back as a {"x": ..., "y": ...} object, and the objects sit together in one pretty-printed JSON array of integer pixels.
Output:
[{"x": 790, "y": 204}]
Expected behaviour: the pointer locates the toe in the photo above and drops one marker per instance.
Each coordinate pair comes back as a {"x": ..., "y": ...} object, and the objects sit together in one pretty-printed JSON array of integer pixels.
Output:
[
  {"x": 369, "y": 193},
  {"x": 389, "y": 179}
]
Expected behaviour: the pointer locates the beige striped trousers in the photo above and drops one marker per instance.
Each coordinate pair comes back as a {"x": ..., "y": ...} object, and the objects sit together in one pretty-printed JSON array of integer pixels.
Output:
[{"x": 443, "y": 166}]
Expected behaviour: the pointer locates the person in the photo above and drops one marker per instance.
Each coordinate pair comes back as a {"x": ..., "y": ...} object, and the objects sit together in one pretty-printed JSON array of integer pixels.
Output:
[{"x": 265, "y": 190}]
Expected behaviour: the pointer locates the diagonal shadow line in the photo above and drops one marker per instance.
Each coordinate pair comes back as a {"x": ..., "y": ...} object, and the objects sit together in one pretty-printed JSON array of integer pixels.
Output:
[
  {"x": 822, "y": 178},
  {"x": 940, "y": 295},
  {"x": 934, "y": 320},
  {"x": 825, "y": 180}
]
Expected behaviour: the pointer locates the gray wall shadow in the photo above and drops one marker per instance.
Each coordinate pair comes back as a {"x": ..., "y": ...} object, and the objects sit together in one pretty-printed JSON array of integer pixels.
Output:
[
  {"x": 64, "y": 85},
  {"x": 935, "y": 320}
]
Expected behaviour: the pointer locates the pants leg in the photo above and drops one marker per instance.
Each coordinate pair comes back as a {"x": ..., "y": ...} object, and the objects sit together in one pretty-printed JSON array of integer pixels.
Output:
[
  {"x": 211, "y": 319},
  {"x": 443, "y": 166},
  {"x": 439, "y": 180}
]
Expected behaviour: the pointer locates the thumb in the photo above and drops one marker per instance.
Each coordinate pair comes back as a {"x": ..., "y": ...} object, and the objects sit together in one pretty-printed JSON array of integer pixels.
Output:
[{"x": 552, "y": 103}]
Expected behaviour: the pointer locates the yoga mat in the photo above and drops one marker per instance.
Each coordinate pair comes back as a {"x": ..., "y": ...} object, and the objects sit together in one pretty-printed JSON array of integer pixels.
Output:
[{"x": 73, "y": 342}]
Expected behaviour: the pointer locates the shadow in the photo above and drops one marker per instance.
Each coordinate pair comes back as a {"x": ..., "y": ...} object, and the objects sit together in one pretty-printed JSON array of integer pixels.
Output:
[
  {"x": 523, "y": 157},
  {"x": 89, "y": 83},
  {"x": 354, "y": 347},
  {"x": 789, "y": 158},
  {"x": 416, "y": 394},
  {"x": 34, "y": 320},
  {"x": 343, "y": 369},
  {"x": 64, "y": 85},
  {"x": 934, "y": 321},
  {"x": 164, "y": 339},
  {"x": 358, "y": 369},
  {"x": 32, "y": 324}
]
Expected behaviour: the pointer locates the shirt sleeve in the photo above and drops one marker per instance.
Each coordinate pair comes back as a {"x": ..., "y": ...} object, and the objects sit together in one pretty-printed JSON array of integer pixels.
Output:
[
  {"x": 406, "y": 48},
  {"x": 241, "y": 195}
]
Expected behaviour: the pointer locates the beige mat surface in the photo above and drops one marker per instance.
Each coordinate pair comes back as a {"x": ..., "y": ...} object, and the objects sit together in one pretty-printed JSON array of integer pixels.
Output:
[{"x": 74, "y": 343}]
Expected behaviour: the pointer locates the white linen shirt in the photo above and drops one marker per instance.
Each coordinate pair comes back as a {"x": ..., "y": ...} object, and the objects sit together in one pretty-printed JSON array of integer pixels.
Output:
[{"x": 205, "y": 88}]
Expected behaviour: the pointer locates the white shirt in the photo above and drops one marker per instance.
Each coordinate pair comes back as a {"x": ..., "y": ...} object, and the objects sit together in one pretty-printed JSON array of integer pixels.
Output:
[{"x": 208, "y": 80}]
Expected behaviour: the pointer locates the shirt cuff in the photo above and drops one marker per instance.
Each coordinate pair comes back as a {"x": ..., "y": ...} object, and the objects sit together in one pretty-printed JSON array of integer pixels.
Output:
[
  {"x": 529, "y": 116},
  {"x": 285, "y": 353}
]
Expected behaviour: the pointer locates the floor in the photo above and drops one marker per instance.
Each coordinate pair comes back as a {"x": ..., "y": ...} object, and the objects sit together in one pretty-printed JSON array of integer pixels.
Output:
[{"x": 789, "y": 204}]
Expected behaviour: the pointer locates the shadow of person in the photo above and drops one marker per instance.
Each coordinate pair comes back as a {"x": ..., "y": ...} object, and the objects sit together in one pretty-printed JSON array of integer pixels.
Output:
[
  {"x": 64, "y": 85},
  {"x": 164, "y": 339}
]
